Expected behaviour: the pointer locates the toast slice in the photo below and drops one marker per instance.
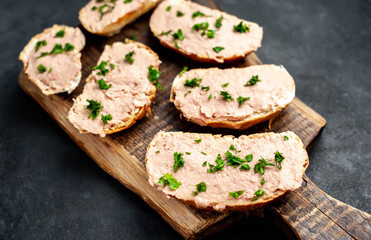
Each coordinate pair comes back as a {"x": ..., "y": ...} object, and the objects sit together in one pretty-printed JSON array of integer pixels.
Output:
[
  {"x": 119, "y": 90},
  {"x": 108, "y": 17},
  {"x": 226, "y": 173},
  {"x": 236, "y": 98},
  {"x": 51, "y": 59},
  {"x": 204, "y": 34}
]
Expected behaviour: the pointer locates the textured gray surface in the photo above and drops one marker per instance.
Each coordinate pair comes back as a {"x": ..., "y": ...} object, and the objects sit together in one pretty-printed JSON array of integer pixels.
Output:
[{"x": 50, "y": 189}]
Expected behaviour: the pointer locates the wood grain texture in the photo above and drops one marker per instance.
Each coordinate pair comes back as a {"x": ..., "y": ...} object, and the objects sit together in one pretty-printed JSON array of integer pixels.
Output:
[{"x": 122, "y": 154}]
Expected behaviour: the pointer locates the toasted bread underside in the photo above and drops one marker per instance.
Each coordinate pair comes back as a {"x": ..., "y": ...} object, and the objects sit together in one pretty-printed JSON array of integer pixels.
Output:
[
  {"x": 232, "y": 205},
  {"x": 25, "y": 55},
  {"x": 116, "y": 26}
]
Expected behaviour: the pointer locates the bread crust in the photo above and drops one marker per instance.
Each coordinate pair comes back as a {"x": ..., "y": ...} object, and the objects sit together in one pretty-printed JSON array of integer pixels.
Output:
[
  {"x": 251, "y": 205},
  {"x": 116, "y": 27},
  {"x": 25, "y": 54}
]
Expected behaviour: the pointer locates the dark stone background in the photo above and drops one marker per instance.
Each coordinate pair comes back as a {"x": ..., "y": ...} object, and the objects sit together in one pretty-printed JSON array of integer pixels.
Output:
[{"x": 49, "y": 189}]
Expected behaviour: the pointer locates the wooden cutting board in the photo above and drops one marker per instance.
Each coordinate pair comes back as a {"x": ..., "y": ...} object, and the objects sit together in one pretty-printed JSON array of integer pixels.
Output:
[{"x": 307, "y": 213}]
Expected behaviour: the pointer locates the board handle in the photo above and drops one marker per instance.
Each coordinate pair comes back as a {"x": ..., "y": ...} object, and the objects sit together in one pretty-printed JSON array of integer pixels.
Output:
[{"x": 309, "y": 213}]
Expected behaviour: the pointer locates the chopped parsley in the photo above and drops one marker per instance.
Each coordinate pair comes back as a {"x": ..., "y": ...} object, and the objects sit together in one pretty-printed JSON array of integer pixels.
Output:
[
  {"x": 58, "y": 49},
  {"x": 178, "y": 35},
  {"x": 285, "y": 138},
  {"x": 168, "y": 179},
  {"x": 198, "y": 140},
  {"x": 218, "y": 22},
  {"x": 205, "y": 88},
  {"x": 201, "y": 26},
  {"x": 104, "y": 9},
  {"x": 184, "y": 70},
  {"x": 112, "y": 66},
  {"x": 41, "y": 68},
  {"x": 103, "y": 85},
  {"x": 218, "y": 49},
  {"x": 50, "y": 70},
  {"x": 198, "y": 14},
  {"x": 219, "y": 165},
  {"x": 226, "y": 96},
  {"x": 210, "y": 96},
  {"x": 179, "y": 14},
  {"x": 201, "y": 187},
  {"x": 153, "y": 75},
  {"x": 210, "y": 33},
  {"x": 233, "y": 160},
  {"x": 188, "y": 153},
  {"x": 204, "y": 164},
  {"x": 236, "y": 194},
  {"x": 127, "y": 1},
  {"x": 40, "y": 43},
  {"x": 193, "y": 83},
  {"x": 165, "y": 33},
  {"x": 241, "y": 28},
  {"x": 259, "y": 167},
  {"x": 185, "y": 95},
  {"x": 258, "y": 194},
  {"x": 168, "y": 8},
  {"x": 129, "y": 57},
  {"x": 203, "y": 153},
  {"x": 248, "y": 157},
  {"x": 133, "y": 37},
  {"x": 68, "y": 47},
  {"x": 60, "y": 33},
  {"x": 245, "y": 167},
  {"x": 106, "y": 118},
  {"x": 158, "y": 151},
  {"x": 278, "y": 158},
  {"x": 252, "y": 81},
  {"x": 94, "y": 107},
  {"x": 225, "y": 85},
  {"x": 232, "y": 147},
  {"x": 178, "y": 161},
  {"x": 102, "y": 68},
  {"x": 240, "y": 100}
]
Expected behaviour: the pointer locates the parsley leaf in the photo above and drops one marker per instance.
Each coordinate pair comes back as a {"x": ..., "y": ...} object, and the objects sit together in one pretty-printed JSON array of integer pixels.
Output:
[
  {"x": 278, "y": 158},
  {"x": 201, "y": 187},
  {"x": 225, "y": 85},
  {"x": 103, "y": 85},
  {"x": 158, "y": 151},
  {"x": 219, "y": 165},
  {"x": 205, "y": 88},
  {"x": 178, "y": 161},
  {"x": 245, "y": 167},
  {"x": 252, "y": 81},
  {"x": 197, "y": 14},
  {"x": 204, "y": 164},
  {"x": 102, "y": 68},
  {"x": 133, "y": 37},
  {"x": 285, "y": 138},
  {"x": 236, "y": 194},
  {"x": 193, "y": 83},
  {"x": 210, "y": 33},
  {"x": 258, "y": 194},
  {"x": 68, "y": 47},
  {"x": 183, "y": 71},
  {"x": 129, "y": 57},
  {"x": 168, "y": 8},
  {"x": 248, "y": 158},
  {"x": 153, "y": 75},
  {"x": 259, "y": 167},
  {"x": 210, "y": 96},
  {"x": 233, "y": 160},
  {"x": 104, "y": 9},
  {"x": 165, "y": 33},
  {"x": 106, "y": 118},
  {"x": 218, "y": 49},
  {"x": 188, "y": 153},
  {"x": 40, "y": 43},
  {"x": 218, "y": 22},
  {"x": 168, "y": 179},
  {"x": 198, "y": 140},
  {"x": 57, "y": 50},
  {"x": 201, "y": 26},
  {"x": 241, "y": 28},
  {"x": 226, "y": 96},
  {"x": 232, "y": 147},
  {"x": 41, "y": 68},
  {"x": 178, "y": 35},
  {"x": 240, "y": 100},
  {"x": 179, "y": 14},
  {"x": 203, "y": 153},
  {"x": 94, "y": 107},
  {"x": 127, "y": 1},
  {"x": 60, "y": 33}
]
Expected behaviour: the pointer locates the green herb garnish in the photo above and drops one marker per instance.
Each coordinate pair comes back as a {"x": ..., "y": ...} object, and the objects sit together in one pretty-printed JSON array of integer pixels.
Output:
[
  {"x": 201, "y": 187},
  {"x": 233, "y": 160},
  {"x": 178, "y": 35},
  {"x": 133, "y": 37},
  {"x": 41, "y": 68},
  {"x": 183, "y": 71},
  {"x": 168, "y": 8},
  {"x": 204, "y": 164},
  {"x": 168, "y": 179},
  {"x": 178, "y": 161},
  {"x": 258, "y": 194},
  {"x": 40, "y": 43},
  {"x": 94, "y": 107},
  {"x": 179, "y": 14},
  {"x": 241, "y": 28},
  {"x": 252, "y": 81},
  {"x": 225, "y": 85},
  {"x": 198, "y": 140},
  {"x": 240, "y": 100},
  {"x": 205, "y": 88},
  {"x": 198, "y": 14},
  {"x": 127, "y": 1},
  {"x": 57, "y": 50},
  {"x": 259, "y": 167},
  {"x": 103, "y": 85},
  {"x": 245, "y": 167},
  {"x": 218, "y": 22},
  {"x": 218, "y": 49},
  {"x": 158, "y": 151},
  {"x": 210, "y": 33},
  {"x": 285, "y": 138},
  {"x": 153, "y": 75},
  {"x": 128, "y": 57},
  {"x": 106, "y": 118},
  {"x": 236, "y": 194},
  {"x": 50, "y": 70},
  {"x": 104, "y": 9},
  {"x": 165, "y": 33},
  {"x": 278, "y": 158},
  {"x": 226, "y": 96},
  {"x": 232, "y": 147},
  {"x": 188, "y": 153},
  {"x": 210, "y": 96},
  {"x": 193, "y": 83},
  {"x": 203, "y": 153},
  {"x": 248, "y": 158},
  {"x": 219, "y": 165},
  {"x": 102, "y": 68},
  {"x": 60, "y": 33},
  {"x": 201, "y": 26}
]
